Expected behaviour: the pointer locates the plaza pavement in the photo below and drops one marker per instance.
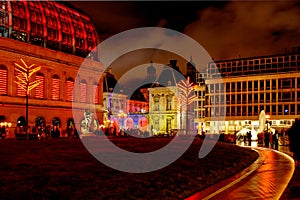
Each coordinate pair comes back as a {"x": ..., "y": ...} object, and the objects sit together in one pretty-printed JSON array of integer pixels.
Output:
[{"x": 272, "y": 176}]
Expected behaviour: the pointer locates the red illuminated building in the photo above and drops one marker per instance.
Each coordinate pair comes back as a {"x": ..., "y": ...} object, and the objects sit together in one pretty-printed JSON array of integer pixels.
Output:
[{"x": 57, "y": 37}]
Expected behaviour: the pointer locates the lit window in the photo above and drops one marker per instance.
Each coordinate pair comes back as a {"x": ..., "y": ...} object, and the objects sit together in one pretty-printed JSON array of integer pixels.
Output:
[
  {"x": 83, "y": 90},
  {"x": 69, "y": 89},
  {"x": 96, "y": 93},
  {"x": 55, "y": 88},
  {"x": 39, "y": 90},
  {"x": 3, "y": 80}
]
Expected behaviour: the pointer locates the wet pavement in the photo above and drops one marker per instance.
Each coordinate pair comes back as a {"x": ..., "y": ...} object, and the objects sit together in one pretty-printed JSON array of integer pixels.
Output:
[{"x": 272, "y": 176}]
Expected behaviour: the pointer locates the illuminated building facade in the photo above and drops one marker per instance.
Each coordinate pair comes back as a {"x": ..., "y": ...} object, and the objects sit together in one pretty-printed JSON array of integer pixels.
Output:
[
  {"x": 57, "y": 38},
  {"x": 166, "y": 113},
  {"x": 238, "y": 89}
]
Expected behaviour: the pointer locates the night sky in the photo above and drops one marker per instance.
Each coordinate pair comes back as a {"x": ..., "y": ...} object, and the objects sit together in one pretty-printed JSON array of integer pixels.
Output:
[{"x": 225, "y": 29}]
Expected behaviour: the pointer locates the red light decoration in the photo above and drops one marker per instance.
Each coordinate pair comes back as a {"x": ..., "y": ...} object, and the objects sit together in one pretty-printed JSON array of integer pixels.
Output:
[
  {"x": 3, "y": 81},
  {"x": 69, "y": 87},
  {"x": 55, "y": 89},
  {"x": 96, "y": 94},
  {"x": 39, "y": 90},
  {"x": 83, "y": 90}
]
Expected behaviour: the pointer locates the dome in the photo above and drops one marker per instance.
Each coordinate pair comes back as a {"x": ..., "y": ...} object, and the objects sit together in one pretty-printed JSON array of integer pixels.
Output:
[{"x": 51, "y": 24}]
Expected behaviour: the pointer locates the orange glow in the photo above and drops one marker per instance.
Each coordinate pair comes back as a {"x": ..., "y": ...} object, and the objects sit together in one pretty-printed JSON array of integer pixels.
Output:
[
  {"x": 55, "y": 89},
  {"x": 70, "y": 86},
  {"x": 3, "y": 81},
  {"x": 39, "y": 91},
  {"x": 23, "y": 78}
]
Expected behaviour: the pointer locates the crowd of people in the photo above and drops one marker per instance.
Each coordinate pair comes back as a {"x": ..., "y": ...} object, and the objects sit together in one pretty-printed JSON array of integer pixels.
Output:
[{"x": 40, "y": 132}]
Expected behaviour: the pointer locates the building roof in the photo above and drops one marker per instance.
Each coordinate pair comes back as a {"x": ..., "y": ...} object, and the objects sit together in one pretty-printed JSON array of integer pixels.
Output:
[
  {"x": 51, "y": 24},
  {"x": 170, "y": 75}
]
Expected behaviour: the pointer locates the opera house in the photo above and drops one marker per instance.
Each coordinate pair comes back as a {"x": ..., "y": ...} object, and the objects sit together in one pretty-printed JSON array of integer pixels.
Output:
[{"x": 56, "y": 37}]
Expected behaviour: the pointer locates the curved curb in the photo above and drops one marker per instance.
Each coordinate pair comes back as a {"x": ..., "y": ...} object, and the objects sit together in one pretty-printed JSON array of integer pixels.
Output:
[{"x": 229, "y": 182}]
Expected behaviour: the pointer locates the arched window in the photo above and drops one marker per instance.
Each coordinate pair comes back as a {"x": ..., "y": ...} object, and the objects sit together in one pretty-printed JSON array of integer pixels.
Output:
[
  {"x": 40, "y": 121},
  {"x": 2, "y": 118},
  {"x": 55, "y": 87},
  {"x": 69, "y": 89},
  {"x": 70, "y": 122},
  {"x": 3, "y": 80},
  {"x": 21, "y": 121},
  {"x": 83, "y": 91},
  {"x": 96, "y": 93},
  {"x": 56, "y": 122},
  {"x": 40, "y": 89}
]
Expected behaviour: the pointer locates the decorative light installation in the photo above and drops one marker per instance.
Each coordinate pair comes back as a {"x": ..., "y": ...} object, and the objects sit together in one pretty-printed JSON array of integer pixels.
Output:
[
  {"x": 187, "y": 96},
  {"x": 25, "y": 83}
]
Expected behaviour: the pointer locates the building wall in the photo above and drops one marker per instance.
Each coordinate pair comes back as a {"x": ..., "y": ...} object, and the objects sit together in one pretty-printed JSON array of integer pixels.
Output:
[
  {"x": 239, "y": 89},
  {"x": 52, "y": 62}
]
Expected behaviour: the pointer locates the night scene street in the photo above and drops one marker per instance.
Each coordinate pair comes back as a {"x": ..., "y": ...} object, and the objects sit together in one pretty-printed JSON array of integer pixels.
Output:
[{"x": 149, "y": 100}]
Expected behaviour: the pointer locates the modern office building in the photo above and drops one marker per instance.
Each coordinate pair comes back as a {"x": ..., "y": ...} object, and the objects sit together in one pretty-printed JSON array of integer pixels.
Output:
[
  {"x": 56, "y": 37},
  {"x": 237, "y": 90}
]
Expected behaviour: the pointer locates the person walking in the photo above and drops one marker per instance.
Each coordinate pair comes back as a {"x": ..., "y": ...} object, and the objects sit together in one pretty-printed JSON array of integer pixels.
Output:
[
  {"x": 275, "y": 139},
  {"x": 267, "y": 139}
]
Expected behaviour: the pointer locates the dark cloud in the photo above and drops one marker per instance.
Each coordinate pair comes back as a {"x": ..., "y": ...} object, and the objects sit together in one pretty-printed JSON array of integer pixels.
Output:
[
  {"x": 225, "y": 29},
  {"x": 247, "y": 28}
]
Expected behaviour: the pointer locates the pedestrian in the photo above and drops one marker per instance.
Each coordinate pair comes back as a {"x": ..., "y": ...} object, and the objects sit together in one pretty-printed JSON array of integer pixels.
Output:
[
  {"x": 294, "y": 139},
  {"x": 249, "y": 137},
  {"x": 275, "y": 139},
  {"x": 267, "y": 139}
]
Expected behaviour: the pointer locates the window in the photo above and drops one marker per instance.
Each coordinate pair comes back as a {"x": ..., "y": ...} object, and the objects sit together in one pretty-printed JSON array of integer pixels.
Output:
[
  {"x": 3, "y": 80},
  {"x": 156, "y": 103},
  {"x": 267, "y": 84},
  {"x": 232, "y": 111},
  {"x": 244, "y": 87},
  {"x": 262, "y": 85},
  {"x": 228, "y": 87},
  {"x": 69, "y": 89},
  {"x": 273, "y": 84},
  {"x": 249, "y": 98},
  {"x": 249, "y": 110},
  {"x": 249, "y": 85},
  {"x": 238, "y": 86},
  {"x": 83, "y": 91},
  {"x": 233, "y": 87},
  {"x": 55, "y": 88},
  {"x": 39, "y": 90},
  {"x": 273, "y": 97},
  {"x": 273, "y": 110},
  {"x": 279, "y": 109},
  {"x": 232, "y": 99},
  {"x": 96, "y": 95},
  {"x": 169, "y": 103},
  {"x": 255, "y": 85},
  {"x": 261, "y": 96}
]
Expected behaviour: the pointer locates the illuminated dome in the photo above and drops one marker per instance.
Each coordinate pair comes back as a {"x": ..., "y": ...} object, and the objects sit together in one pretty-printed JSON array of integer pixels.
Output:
[{"x": 50, "y": 24}]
